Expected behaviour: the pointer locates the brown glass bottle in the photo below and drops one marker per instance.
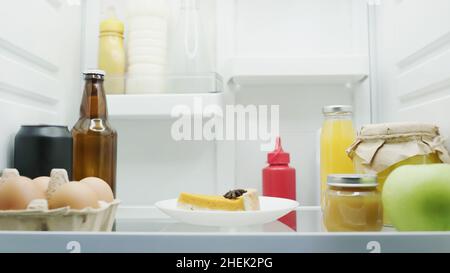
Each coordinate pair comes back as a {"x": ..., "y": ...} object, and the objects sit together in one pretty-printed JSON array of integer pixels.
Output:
[{"x": 94, "y": 140}]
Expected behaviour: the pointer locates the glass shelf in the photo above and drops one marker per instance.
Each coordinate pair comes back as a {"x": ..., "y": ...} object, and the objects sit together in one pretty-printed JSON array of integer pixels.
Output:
[
  {"x": 345, "y": 70},
  {"x": 166, "y": 235}
]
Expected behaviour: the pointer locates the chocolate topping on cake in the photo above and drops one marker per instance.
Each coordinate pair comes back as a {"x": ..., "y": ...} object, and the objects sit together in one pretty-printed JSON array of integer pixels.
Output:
[{"x": 234, "y": 194}]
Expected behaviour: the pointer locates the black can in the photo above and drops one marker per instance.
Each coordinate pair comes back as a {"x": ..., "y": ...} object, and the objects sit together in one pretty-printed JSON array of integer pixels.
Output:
[{"x": 40, "y": 148}]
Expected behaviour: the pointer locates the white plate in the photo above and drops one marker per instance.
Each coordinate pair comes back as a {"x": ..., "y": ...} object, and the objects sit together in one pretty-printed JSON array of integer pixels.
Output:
[{"x": 272, "y": 208}]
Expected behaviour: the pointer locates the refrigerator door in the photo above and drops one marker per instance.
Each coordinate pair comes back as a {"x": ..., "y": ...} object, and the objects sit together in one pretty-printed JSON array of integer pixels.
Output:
[
  {"x": 39, "y": 65},
  {"x": 413, "y": 55}
]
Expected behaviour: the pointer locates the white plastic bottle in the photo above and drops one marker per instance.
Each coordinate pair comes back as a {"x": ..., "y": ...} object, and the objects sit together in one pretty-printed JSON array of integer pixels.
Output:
[{"x": 147, "y": 46}]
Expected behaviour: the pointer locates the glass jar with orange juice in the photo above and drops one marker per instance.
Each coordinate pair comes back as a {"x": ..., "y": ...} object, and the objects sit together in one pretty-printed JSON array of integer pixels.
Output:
[{"x": 336, "y": 136}]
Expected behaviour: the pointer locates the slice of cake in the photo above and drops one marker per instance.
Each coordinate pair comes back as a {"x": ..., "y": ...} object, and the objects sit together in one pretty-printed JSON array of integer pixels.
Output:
[{"x": 235, "y": 200}]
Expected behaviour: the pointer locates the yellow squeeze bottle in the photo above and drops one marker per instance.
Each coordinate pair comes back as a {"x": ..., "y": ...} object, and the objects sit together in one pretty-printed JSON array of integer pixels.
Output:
[
  {"x": 111, "y": 55},
  {"x": 337, "y": 135}
]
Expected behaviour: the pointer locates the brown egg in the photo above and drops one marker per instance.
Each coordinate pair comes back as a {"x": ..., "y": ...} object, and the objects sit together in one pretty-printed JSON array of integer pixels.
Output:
[
  {"x": 100, "y": 187},
  {"x": 75, "y": 195},
  {"x": 41, "y": 185},
  {"x": 17, "y": 192},
  {"x": 3, "y": 201}
]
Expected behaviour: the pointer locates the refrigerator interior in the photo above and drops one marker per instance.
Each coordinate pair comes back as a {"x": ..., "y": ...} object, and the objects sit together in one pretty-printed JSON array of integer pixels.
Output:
[
  {"x": 263, "y": 61},
  {"x": 389, "y": 59}
]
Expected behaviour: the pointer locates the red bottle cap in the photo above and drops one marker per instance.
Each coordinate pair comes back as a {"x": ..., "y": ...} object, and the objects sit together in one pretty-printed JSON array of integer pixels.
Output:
[{"x": 278, "y": 156}]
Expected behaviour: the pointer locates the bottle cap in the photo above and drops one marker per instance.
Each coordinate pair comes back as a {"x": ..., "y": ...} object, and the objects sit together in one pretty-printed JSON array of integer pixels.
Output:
[
  {"x": 278, "y": 156},
  {"x": 329, "y": 109},
  {"x": 94, "y": 72}
]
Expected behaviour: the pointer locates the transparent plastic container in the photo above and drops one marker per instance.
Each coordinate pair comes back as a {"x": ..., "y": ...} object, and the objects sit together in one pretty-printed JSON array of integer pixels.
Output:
[{"x": 191, "y": 65}]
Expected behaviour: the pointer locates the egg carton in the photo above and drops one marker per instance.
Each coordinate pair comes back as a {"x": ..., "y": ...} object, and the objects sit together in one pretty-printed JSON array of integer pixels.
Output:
[{"x": 61, "y": 219}]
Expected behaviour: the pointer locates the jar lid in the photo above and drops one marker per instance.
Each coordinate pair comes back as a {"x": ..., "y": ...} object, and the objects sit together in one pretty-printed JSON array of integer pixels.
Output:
[
  {"x": 329, "y": 109},
  {"x": 352, "y": 180},
  {"x": 398, "y": 129}
]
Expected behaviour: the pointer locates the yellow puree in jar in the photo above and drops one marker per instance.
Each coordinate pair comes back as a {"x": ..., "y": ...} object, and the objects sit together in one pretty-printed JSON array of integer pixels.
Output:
[{"x": 353, "y": 209}]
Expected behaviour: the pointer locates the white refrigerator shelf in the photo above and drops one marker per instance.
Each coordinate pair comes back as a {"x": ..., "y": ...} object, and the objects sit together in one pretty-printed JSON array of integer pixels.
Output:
[
  {"x": 339, "y": 70},
  {"x": 149, "y": 106},
  {"x": 161, "y": 234}
]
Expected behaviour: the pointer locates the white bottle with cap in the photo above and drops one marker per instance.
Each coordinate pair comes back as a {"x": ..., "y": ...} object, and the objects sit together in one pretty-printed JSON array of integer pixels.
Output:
[{"x": 147, "y": 46}]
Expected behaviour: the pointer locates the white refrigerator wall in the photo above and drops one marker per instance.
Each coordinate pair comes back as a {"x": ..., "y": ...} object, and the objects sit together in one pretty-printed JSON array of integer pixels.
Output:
[
  {"x": 152, "y": 166},
  {"x": 299, "y": 28},
  {"x": 413, "y": 56},
  {"x": 292, "y": 33},
  {"x": 39, "y": 66}
]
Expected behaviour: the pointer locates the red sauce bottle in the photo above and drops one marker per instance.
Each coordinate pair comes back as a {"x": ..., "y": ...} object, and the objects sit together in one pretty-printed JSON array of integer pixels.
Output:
[{"x": 279, "y": 180}]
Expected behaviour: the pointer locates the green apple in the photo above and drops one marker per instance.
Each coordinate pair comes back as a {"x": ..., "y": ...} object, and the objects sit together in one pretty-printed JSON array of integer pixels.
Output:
[{"x": 417, "y": 197}]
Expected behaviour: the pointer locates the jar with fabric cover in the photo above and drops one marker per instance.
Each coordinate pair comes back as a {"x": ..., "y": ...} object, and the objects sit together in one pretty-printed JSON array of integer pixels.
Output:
[{"x": 381, "y": 148}]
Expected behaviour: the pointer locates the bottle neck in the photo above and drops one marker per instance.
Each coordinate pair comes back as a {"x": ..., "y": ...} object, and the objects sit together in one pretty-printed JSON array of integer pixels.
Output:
[
  {"x": 93, "y": 104},
  {"x": 278, "y": 164},
  {"x": 342, "y": 115}
]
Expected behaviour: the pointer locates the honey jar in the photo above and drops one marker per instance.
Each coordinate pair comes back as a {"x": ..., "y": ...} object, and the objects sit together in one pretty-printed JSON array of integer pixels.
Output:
[{"x": 352, "y": 203}]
